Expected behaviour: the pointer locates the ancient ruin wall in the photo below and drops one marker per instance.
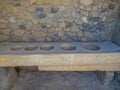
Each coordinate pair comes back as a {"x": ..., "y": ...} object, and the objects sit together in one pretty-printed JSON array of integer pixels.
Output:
[
  {"x": 57, "y": 20},
  {"x": 116, "y": 33}
]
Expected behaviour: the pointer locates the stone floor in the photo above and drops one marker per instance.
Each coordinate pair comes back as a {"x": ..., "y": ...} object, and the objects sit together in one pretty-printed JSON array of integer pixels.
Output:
[{"x": 35, "y": 80}]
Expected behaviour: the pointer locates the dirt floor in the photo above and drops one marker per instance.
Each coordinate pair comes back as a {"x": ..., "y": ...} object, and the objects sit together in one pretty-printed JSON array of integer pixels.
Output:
[{"x": 35, "y": 80}]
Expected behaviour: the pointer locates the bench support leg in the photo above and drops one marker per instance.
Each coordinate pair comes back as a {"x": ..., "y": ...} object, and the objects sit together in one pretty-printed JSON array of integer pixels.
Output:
[
  {"x": 105, "y": 77},
  {"x": 8, "y": 77}
]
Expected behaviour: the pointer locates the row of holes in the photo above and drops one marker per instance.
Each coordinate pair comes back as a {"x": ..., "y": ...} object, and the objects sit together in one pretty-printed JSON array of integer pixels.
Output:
[{"x": 67, "y": 47}]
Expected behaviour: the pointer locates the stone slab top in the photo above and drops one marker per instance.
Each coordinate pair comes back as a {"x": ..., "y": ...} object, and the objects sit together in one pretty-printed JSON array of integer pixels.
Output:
[
  {"x": 62, "y": 56},
  {"x": 58, "y": 48}
]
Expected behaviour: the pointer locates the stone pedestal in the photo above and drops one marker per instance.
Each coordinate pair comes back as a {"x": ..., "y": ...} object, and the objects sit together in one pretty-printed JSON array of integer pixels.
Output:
[
  {"x": 7, "y": 78},
  {"x": 105, "y": 78}
]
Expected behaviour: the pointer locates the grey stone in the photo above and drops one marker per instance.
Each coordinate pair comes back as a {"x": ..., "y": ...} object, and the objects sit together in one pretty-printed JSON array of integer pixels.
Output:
[
  {"x": 6, "y": 31},
  {"x": 7, "y": 78},
  {"x": 84, "y": 19},
  {"x": 3, "y": 21},
  {"x": 86, "y": 2},
  {"x": 42, "y": 15},
  {"x": 39, "y": 10},
  {"x": 103, "y": 10},
  {"x": 111, "y": 6},
  {"x": 54, "y": 9},
  {"x": 68, "y": 24},
  {"x": 50, "y": 15},
  {"x": 61, "y": 8},
  {"x": 12, "y": 20},
  {"x": 23, "y": 27},
  {"x": 61, "y": 33},
  {"x": 94, "y": 19},
  {"x": 94, "y": 14},
  {"x": 80, "y": 33},
  {"x": 78, "y": 21},
  {"x": 105, "y": 77},
  {"x": 4, "y": 37}
]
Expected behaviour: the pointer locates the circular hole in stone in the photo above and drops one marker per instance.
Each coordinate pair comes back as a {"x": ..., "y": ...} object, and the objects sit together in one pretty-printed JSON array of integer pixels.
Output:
[
  {"x": 67, "y": 47},
  {"x": 16, "y": 48},
  {"x": 91, "y": 47},
  {"x": 31, "y": 47},
  {"x": 47, "y": 47}
]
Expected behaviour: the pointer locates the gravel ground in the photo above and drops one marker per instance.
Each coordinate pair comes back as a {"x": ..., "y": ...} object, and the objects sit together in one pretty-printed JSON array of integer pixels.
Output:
[{"x": 35, "y": 80}]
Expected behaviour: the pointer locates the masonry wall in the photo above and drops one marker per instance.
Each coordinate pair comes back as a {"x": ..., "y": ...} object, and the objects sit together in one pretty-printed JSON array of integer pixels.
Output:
[
  {"x": 116, "y": 33},
  {"x": 57, "y": 20}
]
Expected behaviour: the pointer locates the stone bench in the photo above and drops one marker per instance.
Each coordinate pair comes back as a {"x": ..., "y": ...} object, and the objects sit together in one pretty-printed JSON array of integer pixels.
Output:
[{"x": 64, "y": 56}]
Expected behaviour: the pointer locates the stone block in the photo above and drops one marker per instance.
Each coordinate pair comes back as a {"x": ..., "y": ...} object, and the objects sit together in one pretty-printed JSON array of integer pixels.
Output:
[
  {"x": 9, "y": 9},
  {"x": 57, "y": 2},
  {"x": 32, "y": 2},
  {"x": 86, "y": 2},
  {"x": 67, "y": 2},
  {"x": 105, "y": 77},
  {"x": 8, "y": 77},
  {"x": 3, "y": 26},
  {"x": 40, "y": 2}
]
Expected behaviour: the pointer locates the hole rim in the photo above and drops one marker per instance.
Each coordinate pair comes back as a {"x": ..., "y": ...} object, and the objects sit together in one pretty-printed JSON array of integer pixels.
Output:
[
  {"x": 30, "y": 48},
  {"x": 91, "y": 47},
  {"x": 67, "y": 47},
  {"x": 46, "y": 47},
  {"x": 16, "y": 48}
]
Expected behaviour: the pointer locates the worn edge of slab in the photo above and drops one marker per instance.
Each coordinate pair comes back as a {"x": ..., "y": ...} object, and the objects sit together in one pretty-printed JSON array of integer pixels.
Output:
[
  {"x": 104, "y": 67},
  {"x": 60, "y": 59}
]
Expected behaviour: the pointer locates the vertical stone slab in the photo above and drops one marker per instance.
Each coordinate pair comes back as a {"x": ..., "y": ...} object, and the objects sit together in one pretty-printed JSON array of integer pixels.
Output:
[
  {"x": 7, "y": 78},
  {"x": 105, "y": 77}
]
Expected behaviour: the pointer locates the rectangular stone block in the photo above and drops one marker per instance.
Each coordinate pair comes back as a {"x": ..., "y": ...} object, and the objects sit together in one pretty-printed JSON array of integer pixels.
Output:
[
  {"x": 48, "y": 1},
  {"x": 57, "y": 2},
  {"x": 67, "y": 2},
  {"x": 40, "y": 2}
]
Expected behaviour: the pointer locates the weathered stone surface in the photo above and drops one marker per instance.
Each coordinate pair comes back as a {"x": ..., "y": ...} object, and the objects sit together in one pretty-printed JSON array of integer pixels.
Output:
[
  {"x": 3, "y": 26},
  {"x": 32, "y": 2},
  {"x": 88, "y": 35},
  {"x": 68, "y": 24},
  {"x": 62, "y": 24},
  {"x": 23, "y": 27},
  {"x": 61, "y": 33},
  {"x": 105, "y": 77},
  {"x": 54, "y": 10},
  {"x": 6, "y": 31},
  {"x": 78, "y": 21},
  {"x": 80, "y": 34},
  {"x": 7, "y": 78},
  {"x": 39, "y": 10},
  {"x": 9, "y": 9},
  {"x": 42, "y": 15},
  {"x": 38, "y": 35},
  {"x": 12, "y": 20},
  {"x": 4, "y": 37},
  {"x": 3, "y": 21},
  {"x": 34, "y": 21},
  {"x": 57, "y": 2},
  {"x": 84, "y": 19},
  {"x": 86, "y": 2},
  {"x": 19, "y": 32}
]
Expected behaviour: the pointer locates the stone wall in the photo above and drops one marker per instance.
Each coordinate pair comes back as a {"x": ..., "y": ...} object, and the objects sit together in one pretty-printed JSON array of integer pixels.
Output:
[
  {"x": 116, "y": 39},
  {"x": 57, "y": 20},
  {"x": 116, "y": 33}
]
